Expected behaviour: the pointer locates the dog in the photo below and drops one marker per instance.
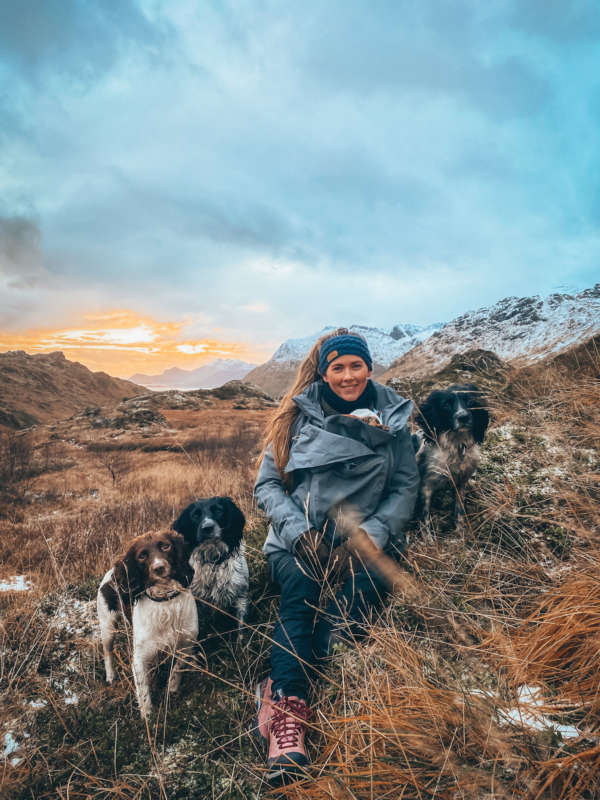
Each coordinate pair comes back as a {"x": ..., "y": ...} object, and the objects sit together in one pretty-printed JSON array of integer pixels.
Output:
[
  {"x": 146, "y": 586},
  {"x": 453, "y": 423},
  {"x": 213, "y": 529}
]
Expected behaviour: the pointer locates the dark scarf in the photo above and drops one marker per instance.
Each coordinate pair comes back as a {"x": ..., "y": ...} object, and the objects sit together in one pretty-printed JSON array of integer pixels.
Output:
[{"x": 334, "y": 404}]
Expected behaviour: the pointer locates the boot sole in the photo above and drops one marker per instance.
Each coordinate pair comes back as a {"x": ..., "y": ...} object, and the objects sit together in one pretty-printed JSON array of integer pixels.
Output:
[{"x": 282, "y": 774}]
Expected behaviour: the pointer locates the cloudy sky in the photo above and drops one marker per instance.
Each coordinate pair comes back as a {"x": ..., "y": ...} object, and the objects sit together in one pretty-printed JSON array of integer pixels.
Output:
[{"x": 186, "y": 179}]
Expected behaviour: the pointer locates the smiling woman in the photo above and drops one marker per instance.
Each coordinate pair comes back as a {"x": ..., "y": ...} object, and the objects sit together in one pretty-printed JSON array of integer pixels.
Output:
[{"x": 338, "y": 455}]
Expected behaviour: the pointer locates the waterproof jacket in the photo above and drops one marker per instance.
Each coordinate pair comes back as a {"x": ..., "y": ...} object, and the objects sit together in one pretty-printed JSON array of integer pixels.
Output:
[{"x": 341, "y": 464}]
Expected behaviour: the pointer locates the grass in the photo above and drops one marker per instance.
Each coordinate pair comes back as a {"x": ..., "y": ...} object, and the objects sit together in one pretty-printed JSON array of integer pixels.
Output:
[{"x": 421, "y": 709}]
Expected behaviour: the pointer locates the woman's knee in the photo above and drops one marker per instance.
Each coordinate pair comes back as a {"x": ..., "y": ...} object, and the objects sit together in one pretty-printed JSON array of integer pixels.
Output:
[{"x": 295, "y": 581}]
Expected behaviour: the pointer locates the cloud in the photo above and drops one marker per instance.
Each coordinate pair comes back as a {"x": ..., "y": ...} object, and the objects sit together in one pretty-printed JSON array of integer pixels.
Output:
[
  {"x": 247, "y": 167},
  {"x": 74, "y": 38},
  {"x": 563, "y": 23},
  {"x": 20, "y": 252}
]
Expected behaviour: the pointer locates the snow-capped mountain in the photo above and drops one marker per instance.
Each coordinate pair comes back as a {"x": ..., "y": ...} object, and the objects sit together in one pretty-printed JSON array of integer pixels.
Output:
[
  {"x": 276, "y": 375},
  {"x": 218, "y": 372},
  {"x": 385, "y": 347},
  {"x": 520, "y": 329}
]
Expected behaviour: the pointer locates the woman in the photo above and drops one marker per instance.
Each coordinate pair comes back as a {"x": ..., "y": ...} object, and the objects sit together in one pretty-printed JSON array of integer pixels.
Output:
[{"x": 337, "y": 454}]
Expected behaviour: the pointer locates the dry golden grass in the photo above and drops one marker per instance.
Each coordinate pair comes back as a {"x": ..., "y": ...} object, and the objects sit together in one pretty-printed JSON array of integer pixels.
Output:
[{"x": 422, "y": 709}]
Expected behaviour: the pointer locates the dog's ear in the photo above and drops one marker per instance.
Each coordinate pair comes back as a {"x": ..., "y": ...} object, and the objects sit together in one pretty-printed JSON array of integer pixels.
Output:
[
  {"x": 429, "y": 419},
  {"x": 481, "y": 417},
  {"x": 185, "y": 525},
  {"x": 128, "y": 576},
  {"x": 181, "y": 550},
  {"x": 234, "y": 523}
]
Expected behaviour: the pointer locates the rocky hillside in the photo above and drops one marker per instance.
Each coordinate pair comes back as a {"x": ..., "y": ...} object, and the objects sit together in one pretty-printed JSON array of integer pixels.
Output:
[
  {"x": 518, "y": 329},
  {"x": 276, "y": 375},
  {"x": 45, "y": 387},
  {"x": 218, "y": 372}
]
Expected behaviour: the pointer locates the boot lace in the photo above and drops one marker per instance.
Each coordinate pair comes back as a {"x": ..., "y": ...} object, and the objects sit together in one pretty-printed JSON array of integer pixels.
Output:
[{"x": 287, "y": 723}]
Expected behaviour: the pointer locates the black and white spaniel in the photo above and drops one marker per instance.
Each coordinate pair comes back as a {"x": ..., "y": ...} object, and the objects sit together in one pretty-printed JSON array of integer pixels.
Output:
[
  {"x": 453, "y": 423},
  {"x": 213, "y": 530},
  {"x": 146, "y": 585}
]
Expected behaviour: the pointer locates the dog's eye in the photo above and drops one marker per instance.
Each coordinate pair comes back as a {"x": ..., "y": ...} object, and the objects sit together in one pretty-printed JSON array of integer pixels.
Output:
[
  {"x": 164, "y": 545},
  {"x": 142, "y": 556}
]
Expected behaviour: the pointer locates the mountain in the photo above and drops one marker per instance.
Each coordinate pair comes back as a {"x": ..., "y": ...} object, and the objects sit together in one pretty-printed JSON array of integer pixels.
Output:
[
  {"x": 46, "y": 387},
  {"x": 517, "y": 329},
  {"x": 218, "y": 372},
  {"x": 276, "y": 375}
]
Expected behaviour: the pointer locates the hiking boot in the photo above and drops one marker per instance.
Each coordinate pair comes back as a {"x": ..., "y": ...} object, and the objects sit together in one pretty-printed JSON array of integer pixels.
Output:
[
  {"x": 287, "y": 759},
  {"x": 264, "y": 709}
]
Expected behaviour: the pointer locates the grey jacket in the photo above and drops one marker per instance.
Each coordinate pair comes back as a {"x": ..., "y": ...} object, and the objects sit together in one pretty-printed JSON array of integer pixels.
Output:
[{"x": 339, "y": 464}]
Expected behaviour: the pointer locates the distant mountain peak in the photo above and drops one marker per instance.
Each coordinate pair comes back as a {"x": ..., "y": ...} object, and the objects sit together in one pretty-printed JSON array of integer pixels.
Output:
[
  {"x": 208, "y": 376},
  {"x": 276, "y": 374},
  {"x": 385, "y": 347}
]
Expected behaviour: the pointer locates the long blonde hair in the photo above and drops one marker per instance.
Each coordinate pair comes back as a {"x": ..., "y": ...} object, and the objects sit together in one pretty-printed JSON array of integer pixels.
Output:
[{"x": 280, "y": 424}]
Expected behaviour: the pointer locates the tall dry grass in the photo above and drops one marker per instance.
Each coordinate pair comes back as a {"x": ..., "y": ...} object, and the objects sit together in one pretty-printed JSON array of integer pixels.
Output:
[{"x": 421, "y": 709}]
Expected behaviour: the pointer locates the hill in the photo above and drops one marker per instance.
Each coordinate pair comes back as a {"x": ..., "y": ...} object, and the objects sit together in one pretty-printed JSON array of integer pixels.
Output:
[
  {"x": 521, "y": 330},
  {"x": 45, "y": 387}
]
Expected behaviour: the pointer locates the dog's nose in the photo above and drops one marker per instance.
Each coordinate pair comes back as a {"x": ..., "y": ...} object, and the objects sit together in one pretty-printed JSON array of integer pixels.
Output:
[
  {"x": 207, "y": 525},
  {"x": 160, "y": 567},
  {"x": 462, "y": 417}
]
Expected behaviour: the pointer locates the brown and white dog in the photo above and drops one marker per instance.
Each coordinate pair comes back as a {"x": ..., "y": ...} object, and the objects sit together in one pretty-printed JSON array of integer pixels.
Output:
[{"x": 146, "y": 585}]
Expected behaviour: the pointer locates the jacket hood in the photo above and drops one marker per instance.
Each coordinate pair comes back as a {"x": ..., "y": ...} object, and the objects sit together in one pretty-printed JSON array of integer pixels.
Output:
[{"x": 394, "y": 410}]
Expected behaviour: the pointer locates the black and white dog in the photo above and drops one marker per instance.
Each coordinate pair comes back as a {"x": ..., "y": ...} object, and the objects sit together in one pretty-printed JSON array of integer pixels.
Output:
[
  {"x": 213, "y": 530},
  {"x": 453, "y": 423}
]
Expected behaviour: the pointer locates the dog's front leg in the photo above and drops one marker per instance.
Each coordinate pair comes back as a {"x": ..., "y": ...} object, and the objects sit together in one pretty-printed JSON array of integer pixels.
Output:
[
  {"x": 241, "y": 609},
  {"x": 108, "y": 626},
  {"x": 143, "y": 662},
  {"x": 459, "y": 509},
  {"x": 426, "y": 524},
  {"x": 184, "y": 656}
]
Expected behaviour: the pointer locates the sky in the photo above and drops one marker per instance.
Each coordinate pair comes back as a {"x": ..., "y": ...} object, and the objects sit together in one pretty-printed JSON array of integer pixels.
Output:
[{"x": 186, "y": 180}]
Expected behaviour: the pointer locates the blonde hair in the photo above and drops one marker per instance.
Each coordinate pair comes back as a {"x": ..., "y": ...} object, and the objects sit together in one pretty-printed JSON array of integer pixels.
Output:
[{"x": 280, "y": 424}]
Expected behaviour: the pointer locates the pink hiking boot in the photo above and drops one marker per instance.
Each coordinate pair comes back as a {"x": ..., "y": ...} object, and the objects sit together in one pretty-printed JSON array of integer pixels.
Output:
[
  {"x": 287, "y": 759},
  {"x": 264, "y": 709}
]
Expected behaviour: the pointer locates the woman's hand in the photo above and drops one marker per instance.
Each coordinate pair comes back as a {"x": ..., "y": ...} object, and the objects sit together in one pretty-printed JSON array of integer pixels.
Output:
[
  {"x": 345, "y": 561},
  {"x": 312, "y": 548}
]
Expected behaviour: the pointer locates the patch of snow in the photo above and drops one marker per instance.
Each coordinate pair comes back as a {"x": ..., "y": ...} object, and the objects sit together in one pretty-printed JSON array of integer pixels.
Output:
[
  {"x": 527, "y": 714},
  {"x": 10, "y": 745},
  {"x": 71, "y": 699},
  {"x": 16, "y": 583},
  {"x": 75, "y": 617}
]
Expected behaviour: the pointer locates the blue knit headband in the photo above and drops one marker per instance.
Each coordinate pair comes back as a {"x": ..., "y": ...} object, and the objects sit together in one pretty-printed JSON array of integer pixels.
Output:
[{"x": 343, "y": 345}]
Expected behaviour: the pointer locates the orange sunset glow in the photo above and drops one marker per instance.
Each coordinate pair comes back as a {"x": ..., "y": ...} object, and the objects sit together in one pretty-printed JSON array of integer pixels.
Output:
[{"x": 122, "y": 343}]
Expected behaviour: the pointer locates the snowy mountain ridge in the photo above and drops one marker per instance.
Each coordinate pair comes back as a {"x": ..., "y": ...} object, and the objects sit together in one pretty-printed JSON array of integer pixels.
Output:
[
  {"x": 515, "y": 328},
  {"x": 385, "y": 347}
]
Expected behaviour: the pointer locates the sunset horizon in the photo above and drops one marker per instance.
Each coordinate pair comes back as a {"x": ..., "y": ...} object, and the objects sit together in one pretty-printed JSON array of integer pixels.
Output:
[{"x": 123, "y": 343}]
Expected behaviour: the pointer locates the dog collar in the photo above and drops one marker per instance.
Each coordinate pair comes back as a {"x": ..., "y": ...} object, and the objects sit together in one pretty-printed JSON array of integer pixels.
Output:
[{"x": 170, "y": 595}]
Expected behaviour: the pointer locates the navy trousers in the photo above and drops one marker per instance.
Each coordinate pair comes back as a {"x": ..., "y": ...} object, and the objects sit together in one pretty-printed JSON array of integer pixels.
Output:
[{"x": 303, "y": 633}]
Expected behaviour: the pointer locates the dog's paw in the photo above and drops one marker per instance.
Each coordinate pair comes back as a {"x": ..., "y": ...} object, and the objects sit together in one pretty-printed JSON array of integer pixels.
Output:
[{"x": 427, "y": 532}]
